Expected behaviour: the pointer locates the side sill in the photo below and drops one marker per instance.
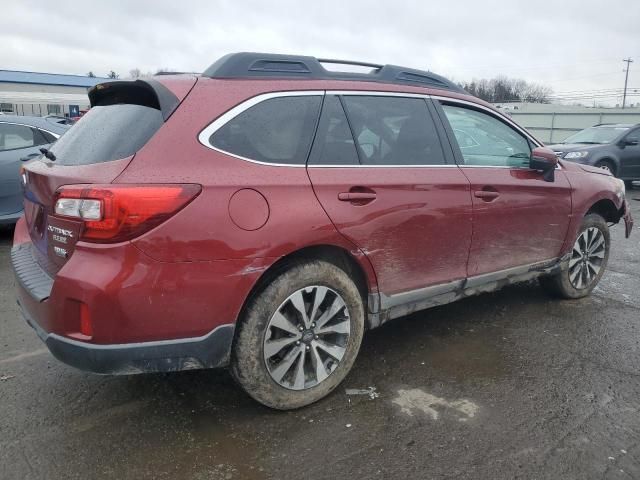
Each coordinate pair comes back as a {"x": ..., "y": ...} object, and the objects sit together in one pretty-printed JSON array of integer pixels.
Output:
[{"x": 405, "y": 303}]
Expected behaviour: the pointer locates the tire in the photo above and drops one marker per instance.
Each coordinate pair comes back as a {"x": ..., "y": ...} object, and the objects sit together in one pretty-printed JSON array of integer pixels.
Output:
[
  {"x": 270, "y": 320},
  {"x": 568, "y": 283},
  {"x": 607, "y": 165}
]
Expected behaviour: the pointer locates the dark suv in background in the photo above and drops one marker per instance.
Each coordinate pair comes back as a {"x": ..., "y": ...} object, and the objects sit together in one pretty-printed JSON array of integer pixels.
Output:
[{"x": 614, "y": 147}]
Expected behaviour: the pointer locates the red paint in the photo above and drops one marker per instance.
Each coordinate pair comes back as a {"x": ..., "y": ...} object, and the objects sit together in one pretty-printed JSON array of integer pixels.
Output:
[{"x": 406, "y": 227}]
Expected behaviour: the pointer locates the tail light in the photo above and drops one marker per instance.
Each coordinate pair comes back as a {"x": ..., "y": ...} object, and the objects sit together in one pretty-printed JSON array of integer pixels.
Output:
[{"x": 114, "y": 213}]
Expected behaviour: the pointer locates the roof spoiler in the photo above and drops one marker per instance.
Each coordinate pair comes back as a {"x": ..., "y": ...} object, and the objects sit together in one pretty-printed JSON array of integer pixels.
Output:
[
  {"x": 269, "y": 65},
  {"x": 148, "y": 93}
]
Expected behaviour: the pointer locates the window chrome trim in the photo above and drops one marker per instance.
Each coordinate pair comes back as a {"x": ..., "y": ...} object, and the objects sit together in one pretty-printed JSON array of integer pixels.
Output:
[{"x": 215, "y": 125}]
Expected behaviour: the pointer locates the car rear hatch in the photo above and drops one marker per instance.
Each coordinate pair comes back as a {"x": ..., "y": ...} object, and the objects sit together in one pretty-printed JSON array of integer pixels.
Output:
[{"x": 123, "y": 118}]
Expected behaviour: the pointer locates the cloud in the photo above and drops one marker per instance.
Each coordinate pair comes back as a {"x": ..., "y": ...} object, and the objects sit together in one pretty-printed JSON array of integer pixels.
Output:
[{"x": 569, "y": 45}]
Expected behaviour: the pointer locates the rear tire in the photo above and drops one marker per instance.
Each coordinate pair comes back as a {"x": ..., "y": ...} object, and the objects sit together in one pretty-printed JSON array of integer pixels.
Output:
[
  {"x": 589, "y": 257},
  {"x": 299, "y": 337}
]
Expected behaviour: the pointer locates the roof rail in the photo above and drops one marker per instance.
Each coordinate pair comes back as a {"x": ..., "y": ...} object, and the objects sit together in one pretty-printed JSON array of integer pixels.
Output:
[{"x": 260, "y": 65}]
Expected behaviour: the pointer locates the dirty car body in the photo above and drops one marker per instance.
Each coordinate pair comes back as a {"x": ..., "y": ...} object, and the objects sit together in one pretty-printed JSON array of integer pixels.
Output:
[{"x": 147, "y": 256}]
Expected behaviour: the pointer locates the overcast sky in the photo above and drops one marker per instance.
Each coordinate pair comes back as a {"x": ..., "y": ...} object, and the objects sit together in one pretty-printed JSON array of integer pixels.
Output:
[{"x": 567, "y": 45}]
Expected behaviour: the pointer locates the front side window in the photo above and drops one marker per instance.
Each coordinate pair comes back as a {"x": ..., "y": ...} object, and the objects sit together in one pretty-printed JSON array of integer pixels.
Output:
[
  {"x": 13, "y": 137},
  {"x": 393, "y": 131},
  {"x": 277, "y": 130},
  {"x": 486, "y": 141}
]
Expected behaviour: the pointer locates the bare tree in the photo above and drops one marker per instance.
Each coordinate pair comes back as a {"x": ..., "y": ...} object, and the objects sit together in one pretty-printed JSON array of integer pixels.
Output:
[
  {"x": 113, "y": 75},
  {"x": 91, "y": 74},
  {"x": 504, "y": 89},
  {"x": 135, "y": 73}
]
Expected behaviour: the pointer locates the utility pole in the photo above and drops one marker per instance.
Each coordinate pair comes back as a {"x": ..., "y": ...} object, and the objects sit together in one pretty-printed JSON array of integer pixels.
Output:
[{"x": 626, "y": 80}]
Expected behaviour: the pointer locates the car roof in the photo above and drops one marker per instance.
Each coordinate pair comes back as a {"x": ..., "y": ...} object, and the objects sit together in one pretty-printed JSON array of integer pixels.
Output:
[{"x": 38, "y": 122}]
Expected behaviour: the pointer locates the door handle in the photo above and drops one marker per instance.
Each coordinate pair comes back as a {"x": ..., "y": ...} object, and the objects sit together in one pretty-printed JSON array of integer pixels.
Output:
[
  {"x": 486, "y": 195},
  {"x": 356, "y": 196},
  {"x": 29, "y": 157}
]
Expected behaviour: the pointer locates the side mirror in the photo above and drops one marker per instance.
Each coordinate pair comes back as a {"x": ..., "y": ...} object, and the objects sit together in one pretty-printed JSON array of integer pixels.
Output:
[{"x": 545, "y": 160}]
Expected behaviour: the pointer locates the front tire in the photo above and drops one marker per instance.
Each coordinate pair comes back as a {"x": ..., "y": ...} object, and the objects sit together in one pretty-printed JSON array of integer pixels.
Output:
[
  {"x": 299, "y": 337},
  {"x": 607, "y": 165},
  {"x": 587, "y": 263}
]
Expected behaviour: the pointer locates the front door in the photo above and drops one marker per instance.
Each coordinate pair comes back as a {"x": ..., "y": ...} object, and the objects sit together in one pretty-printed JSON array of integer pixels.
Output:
[
  {"x": 630, "y": 156},
  {"x": 394, "y": 192},
  {"x": 518, "y": 218}
]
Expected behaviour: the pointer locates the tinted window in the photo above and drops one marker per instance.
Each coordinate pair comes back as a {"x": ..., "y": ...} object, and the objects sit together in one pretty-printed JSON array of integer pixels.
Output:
[
  {"x": 334, "y": 143},
  {"x": 394, "y": 131},
  {"x": 278, "y": 130},
  {"x": 485, "y": 140},
  {"x": 107, "y": 133},
  {"x": 13, "y": 137}
]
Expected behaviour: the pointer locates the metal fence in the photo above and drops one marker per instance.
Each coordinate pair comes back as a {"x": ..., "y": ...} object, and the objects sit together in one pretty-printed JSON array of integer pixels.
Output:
[{"x": 554, "y": 127}]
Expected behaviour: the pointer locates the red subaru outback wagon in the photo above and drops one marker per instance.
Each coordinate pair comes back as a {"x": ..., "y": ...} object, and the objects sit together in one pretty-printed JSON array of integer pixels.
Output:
[{"x": 266, "y": 213}]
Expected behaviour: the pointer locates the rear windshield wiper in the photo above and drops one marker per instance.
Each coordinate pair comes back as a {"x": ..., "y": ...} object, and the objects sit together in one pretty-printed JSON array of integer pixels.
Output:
[{"x": 47, "y": 153}]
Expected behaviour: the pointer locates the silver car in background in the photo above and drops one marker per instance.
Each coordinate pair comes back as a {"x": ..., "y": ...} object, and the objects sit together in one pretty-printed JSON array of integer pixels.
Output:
[{"x": 21, "y": 139}]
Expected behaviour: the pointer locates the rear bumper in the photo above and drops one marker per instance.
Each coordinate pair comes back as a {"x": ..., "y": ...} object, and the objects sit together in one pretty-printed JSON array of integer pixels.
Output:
[
  {"x": 209, "y": 351},
  {"x": 146, "y": 316}
]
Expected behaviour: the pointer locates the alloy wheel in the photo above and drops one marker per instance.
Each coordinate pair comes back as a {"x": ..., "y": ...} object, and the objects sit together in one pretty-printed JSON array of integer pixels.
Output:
[
  {"x": 306, "y": 338},
  {"x": 587, "y": 258}
]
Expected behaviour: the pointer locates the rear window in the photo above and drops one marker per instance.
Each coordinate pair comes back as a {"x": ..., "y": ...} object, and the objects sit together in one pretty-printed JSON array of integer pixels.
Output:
[
  {"x": 107, "y": 133},
  {"x": 278, "y": 130}
]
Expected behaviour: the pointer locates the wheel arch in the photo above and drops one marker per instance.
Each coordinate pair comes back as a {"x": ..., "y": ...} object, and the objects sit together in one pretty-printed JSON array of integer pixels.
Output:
[
  {"x": 606, "y": 209},
  {"x": 612, "y": 160},
  {"x": 358, "y": 268}
]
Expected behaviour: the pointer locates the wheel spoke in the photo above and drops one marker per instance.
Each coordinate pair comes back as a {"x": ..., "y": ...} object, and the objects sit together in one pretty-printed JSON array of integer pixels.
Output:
[
  {"x": 575, "y": 276},
  {"x": 343, "y": 327},
  {"x": 298, "y": 303},
  {"x": 272, "y": 347},
  {"x": 280, "y": 321},
  {"x": 574, "y": 261},
  {"x": 318, "y": 298},
  {"x": 321, "y": 371},
  {"x": 284, "y": 366},
  {"x": 335, "y": 351},
  {"x": 336, "y": 306},
  {"x": 298, "y": 383},
  {"x": 597, "y": 243}
]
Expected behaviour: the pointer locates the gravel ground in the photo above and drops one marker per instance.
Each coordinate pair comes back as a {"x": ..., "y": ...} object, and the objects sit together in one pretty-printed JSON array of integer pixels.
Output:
[{"x": 505, "y": 385}]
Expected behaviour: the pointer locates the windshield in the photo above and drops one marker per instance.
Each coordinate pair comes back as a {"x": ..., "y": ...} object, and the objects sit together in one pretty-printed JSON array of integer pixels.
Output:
[{"x": 596, "y": 135}]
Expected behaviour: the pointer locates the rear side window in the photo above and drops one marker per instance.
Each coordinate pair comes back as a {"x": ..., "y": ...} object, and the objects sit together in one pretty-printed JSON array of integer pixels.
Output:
[
  {"x": 277, "y": 130},
  {"x": 334, "y": 143},
  {"x": 14, "y": 137},
  {"x": 394, "y": 131},
  {"x": 107, "y": 133}
]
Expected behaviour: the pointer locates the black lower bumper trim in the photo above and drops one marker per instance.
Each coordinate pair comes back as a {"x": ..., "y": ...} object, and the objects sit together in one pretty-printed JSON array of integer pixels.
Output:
[{"x": 209, "y": 351}]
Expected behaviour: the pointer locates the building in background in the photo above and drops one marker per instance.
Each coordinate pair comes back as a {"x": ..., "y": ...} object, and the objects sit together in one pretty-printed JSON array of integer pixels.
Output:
[
  {"x": 552, "y": 123},
  {"x": 40, "y": 94}
]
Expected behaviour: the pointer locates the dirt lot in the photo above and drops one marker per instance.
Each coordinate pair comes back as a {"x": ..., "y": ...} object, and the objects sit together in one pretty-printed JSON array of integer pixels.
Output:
[{"x": 505, "y": 385}]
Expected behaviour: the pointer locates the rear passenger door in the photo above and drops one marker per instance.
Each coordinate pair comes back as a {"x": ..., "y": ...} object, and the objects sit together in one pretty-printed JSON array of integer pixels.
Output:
[
  {"x": 380, "y": 171},
  {"x": 518, "y": 217}
]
